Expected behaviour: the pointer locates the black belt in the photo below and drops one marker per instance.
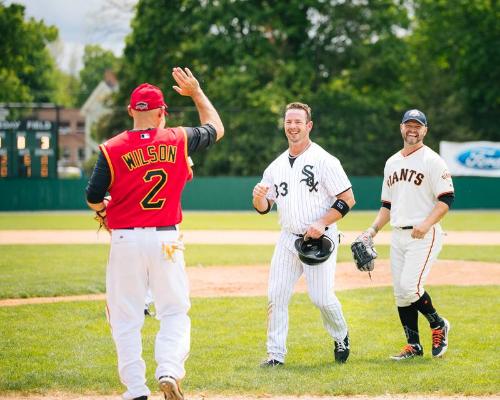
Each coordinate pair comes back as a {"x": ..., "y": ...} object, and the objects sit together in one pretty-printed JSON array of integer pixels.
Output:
[
  {"x": 302, "y": 235},
  {"x": 158, "y": 228},
  {"x": 406, "y": 227}
]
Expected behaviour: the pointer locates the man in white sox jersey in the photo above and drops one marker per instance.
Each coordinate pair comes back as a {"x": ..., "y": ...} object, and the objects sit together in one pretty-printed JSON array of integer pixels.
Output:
[
  {"x": 416, "y": 193},
  {"x": 312, "y": 192}
]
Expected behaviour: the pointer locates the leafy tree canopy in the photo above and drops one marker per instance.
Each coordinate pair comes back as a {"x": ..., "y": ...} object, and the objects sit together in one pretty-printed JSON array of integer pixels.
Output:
[
  {"x": 26, "y": 67},
  {"x": 96, "y": 61}
]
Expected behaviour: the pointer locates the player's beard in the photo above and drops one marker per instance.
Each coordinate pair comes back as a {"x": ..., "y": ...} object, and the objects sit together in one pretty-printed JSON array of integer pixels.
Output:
[{"x": 412, "y": 140}]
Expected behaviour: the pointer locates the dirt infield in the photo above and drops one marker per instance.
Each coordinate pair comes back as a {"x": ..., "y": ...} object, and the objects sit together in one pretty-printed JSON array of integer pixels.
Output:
[
  {"x": 222, "y": 237},
  {"x": 252, "y": 280}
]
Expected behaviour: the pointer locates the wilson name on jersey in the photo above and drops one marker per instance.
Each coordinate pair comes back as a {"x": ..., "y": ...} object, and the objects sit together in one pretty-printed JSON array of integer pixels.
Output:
[{"x": 148, "y": 172}]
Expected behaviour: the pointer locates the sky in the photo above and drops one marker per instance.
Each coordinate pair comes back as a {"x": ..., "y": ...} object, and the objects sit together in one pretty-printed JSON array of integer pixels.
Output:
[{"x": 82, "y": 22}]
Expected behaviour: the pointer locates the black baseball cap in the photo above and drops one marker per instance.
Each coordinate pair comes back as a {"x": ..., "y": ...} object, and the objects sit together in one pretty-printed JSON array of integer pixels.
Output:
[{"x": 415, "y": 115}]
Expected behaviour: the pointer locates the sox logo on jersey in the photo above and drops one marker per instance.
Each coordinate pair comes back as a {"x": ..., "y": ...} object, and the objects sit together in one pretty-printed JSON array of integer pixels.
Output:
[{"x": 309, "y": 179}]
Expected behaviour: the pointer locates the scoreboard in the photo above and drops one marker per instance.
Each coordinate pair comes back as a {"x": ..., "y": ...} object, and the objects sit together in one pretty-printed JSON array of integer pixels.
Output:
[{"x": 28, "y": 149}]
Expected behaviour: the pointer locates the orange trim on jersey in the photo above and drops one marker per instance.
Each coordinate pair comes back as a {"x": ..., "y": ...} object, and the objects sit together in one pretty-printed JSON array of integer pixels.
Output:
[
  {"x": 186, "y": 151},
  {"x": 385, "y": 201},
  {"x": 111, "y": 169},
  {"x": 442, "y": 194},
  {"x": 108, "y": 317},
  {"x": 426, "y": 260}
]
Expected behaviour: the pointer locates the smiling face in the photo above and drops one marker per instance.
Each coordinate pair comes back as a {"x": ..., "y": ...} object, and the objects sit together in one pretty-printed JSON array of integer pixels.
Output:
[
  {"x": 297, "y": 126},
  {"x": 413, "y": 132}
]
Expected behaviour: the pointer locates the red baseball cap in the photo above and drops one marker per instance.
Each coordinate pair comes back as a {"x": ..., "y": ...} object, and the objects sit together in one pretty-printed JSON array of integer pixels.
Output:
[{"x": 147, "y": 97}]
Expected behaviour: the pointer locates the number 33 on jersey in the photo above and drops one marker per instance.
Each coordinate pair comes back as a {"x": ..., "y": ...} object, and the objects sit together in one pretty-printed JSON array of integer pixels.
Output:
[{"x": 144, "y": 195}]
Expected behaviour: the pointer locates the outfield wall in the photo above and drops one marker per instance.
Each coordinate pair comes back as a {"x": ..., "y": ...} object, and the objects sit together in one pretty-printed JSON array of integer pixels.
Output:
[{"x": 222, "y": 193}]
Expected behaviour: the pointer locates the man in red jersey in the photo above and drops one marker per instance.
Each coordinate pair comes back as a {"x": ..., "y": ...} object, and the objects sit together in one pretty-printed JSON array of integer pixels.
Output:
[{"x": 144, "y": 169}]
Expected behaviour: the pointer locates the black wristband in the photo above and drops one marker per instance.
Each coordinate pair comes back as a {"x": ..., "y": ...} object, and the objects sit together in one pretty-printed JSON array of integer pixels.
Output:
[
  {"x": 341, "y": 206},
  {"x": 266, "y": 210},
  {"x": 447, "y": 198}
]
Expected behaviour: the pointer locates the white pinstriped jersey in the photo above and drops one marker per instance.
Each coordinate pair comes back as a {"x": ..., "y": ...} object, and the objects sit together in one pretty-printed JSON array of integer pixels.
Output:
[
  {"x": 307, "y": 190},
  {"x": 412, "y": 185}
]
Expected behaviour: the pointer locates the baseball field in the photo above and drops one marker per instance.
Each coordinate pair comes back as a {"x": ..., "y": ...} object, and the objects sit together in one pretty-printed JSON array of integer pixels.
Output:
[{"x": 55, "y": 341}]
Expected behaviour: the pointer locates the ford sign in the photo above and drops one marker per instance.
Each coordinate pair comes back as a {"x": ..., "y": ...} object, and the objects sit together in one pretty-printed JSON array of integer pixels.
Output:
[{"x": 480, "y": 158}]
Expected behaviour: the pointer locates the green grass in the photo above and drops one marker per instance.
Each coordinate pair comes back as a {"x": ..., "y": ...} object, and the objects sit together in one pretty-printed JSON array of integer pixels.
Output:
[
  {"x": 68, "y": 347},
  {"x": 356, "y": 220},
  {"x": 53, "y": 270}
]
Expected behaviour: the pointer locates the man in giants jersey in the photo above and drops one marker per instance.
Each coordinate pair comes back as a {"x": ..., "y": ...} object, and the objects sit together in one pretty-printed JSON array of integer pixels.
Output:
[
  {"x": 145, "y": 170},
  {"x": 416, "y": 193},
  {"x": 312, "y": 192}
]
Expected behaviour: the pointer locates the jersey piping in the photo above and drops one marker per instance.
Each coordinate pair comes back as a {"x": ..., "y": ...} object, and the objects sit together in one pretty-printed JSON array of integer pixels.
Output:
[
  {"x": 108, "y": 159},
  {"x": 190, "y": 170},
  {"x": 426, "y": 260}
]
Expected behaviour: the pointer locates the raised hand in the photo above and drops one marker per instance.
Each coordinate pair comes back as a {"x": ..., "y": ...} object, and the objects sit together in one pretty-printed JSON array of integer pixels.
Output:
[{"x": 187, "y": 84}]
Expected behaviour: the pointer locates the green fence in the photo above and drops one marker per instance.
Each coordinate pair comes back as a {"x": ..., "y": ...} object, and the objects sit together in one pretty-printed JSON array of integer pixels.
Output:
[{"x": 222, "y": 193}]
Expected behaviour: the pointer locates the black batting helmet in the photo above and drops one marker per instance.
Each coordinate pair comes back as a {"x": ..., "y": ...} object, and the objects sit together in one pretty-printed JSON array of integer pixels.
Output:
[{"x": 314, "y": 251}]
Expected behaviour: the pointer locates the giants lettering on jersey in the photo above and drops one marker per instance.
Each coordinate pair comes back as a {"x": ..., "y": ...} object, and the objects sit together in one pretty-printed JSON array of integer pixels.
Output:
[
  {"x": 160, "y": 153},
  {"x": 405, "y": 175}
]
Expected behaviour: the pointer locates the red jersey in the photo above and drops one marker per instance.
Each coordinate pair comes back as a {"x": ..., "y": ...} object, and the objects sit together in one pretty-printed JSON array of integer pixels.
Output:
[{"x": 149, "y": 170}]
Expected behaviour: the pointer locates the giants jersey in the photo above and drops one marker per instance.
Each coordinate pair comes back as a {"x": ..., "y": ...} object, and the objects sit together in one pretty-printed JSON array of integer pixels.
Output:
[
  {"x": 148, "y": 172},
  {"x": 307, "y": 190},
  {"x": 412, "y": 185}
]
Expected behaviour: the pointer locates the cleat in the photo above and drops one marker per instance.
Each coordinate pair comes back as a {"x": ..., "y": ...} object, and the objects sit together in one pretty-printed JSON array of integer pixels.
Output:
[
  {"x": 271, "y": 363},
  {"x": 342, "y": 349},
  {"x": 141, "y": 398},
  {"x": 409, "y": 351},
  {"x": 440, "y": 339},
  {"x": 170, "y": 388},
  {"x": 149, "y": 310}
]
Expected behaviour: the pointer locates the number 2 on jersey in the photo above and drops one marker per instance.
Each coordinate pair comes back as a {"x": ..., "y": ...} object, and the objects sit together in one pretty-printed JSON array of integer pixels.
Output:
[{"x": 160, "y": 176}]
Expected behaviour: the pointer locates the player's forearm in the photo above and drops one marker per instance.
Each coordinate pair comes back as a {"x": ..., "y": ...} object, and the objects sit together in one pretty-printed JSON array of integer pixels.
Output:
[
  {"x": 330, "y": 217},
  {"x": 97, "y": 206},
  {"x": 207, "y": 112},
  {"x": 438, "y": 212},
  {"x": 337, "y": 212},
  {"x": 382, "y": 218},
  {"x": 262, "y": 204}
]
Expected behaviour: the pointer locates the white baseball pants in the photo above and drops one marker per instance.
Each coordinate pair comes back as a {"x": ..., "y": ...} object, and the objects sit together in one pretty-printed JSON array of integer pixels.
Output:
[
  {"x": 286, "y": 269},
  {"x": 411, "y": 262},
  {"x": 139, "y": 258}
]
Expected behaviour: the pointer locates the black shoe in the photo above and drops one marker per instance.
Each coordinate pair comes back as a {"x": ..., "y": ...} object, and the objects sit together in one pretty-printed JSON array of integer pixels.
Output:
[
  {"x": 141, "y": 398},
  {"x": 170, "y": 388},
  {"x": 148, "y": 310},
  {"x": 440, "y": 339},
  {"x": 409, "y": 351},
  {"x": 271, "y": 363},
  {"x": 341, "y": 351}
]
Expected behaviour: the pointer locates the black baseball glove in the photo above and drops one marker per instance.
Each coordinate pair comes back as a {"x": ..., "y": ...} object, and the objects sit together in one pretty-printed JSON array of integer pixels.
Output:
[
  {"x": 363, "y": 252},
  {"x": 314, "y": 251}
]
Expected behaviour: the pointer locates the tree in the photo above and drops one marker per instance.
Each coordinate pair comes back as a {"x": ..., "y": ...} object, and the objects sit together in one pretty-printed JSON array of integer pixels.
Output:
[
  {"x": 453, "y": 69},
  {"x": 26, "y": 67},
  {"x": 96, "y": 61},
  {"x": 253, "y": 57}
]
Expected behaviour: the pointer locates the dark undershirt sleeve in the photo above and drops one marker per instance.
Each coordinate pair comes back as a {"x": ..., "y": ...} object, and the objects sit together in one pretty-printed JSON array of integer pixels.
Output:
[
  {"x": 447, "y": 198},
  {"x": 386, "y": 205},
  {"x": 200, "y": 137},
  {"x": 99, "y": 181}
]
